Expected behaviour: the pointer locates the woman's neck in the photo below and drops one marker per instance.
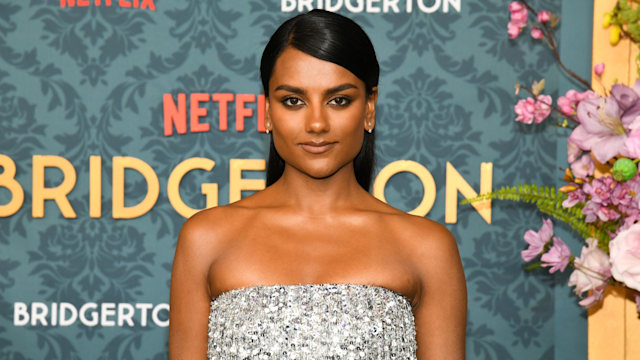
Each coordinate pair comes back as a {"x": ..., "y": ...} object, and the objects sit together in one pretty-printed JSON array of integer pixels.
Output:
[{"x": 318, "y": 196}]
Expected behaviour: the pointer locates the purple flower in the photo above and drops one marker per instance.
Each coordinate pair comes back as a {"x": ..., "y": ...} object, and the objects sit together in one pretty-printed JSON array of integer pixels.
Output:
[
  {"x": 576, "y": 196},
  {"x": 593, "y": 210},
  {"x": 632, "y": 145},
  {"x": 573, "y": 151},
  {"x": 537, "y": 240},
  {"x": 606, "y": 122},
  {"x": 557, "y": 257},
  {"x": 624, "y": 95},
  {"x": 600, "y": 189},
  {"x": 583, "y": 167},
  {"x": 594, "y": 297}
]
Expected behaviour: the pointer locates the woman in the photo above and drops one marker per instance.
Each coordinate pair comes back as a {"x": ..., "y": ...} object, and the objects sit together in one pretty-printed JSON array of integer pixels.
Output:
[{"x": 314, "y": 266}]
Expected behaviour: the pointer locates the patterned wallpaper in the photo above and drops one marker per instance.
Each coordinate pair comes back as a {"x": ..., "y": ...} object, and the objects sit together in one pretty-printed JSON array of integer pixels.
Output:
[{"x": 80, "y": 81}]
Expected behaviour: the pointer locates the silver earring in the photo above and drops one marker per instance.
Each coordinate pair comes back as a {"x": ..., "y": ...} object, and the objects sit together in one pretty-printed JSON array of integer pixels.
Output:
[
  {"x": 267, "y": 131},
  {"x": 370, "y": 131}
]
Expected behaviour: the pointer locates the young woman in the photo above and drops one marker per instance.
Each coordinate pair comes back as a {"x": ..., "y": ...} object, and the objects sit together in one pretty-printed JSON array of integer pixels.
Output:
[{"x": 313, "y": 266}]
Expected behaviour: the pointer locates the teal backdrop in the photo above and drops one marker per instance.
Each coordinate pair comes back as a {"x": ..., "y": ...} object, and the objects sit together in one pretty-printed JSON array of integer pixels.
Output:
[{"x": 81, "y": 81}]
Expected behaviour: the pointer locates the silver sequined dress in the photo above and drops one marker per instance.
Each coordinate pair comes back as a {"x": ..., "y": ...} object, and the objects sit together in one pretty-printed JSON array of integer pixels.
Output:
[{"x": 312, "y": 321}]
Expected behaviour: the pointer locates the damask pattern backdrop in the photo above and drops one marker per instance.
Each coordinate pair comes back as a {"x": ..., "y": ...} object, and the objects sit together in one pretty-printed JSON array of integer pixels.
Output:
[{"x": 80, "y": 81}]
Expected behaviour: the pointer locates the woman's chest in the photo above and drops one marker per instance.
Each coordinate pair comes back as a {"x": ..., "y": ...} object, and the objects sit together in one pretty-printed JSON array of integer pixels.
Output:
[{"x": 319, "y": 256}]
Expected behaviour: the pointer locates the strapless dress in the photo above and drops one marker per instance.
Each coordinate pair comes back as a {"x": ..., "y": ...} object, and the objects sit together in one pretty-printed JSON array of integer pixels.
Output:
[{"x": 311, "y": 321}]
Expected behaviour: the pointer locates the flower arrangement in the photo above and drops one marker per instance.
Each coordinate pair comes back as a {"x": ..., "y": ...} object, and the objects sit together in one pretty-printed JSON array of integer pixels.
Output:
[{"x": 601, "y": 198}]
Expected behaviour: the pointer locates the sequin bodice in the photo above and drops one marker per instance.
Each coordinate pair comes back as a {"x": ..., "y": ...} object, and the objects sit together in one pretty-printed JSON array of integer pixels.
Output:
[{"x": 313, "y": 321}]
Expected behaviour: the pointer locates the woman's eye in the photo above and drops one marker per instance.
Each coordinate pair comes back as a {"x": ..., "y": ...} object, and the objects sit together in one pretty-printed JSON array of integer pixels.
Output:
[
  {"x": 340, "y": 101},
  {"x": 292, "y": 102}
]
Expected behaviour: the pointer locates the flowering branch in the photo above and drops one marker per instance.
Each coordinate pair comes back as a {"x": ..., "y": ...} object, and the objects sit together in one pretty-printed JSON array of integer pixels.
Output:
[
  {"x": 601, "y": 206},
  {"x": 548, "y": 34}
]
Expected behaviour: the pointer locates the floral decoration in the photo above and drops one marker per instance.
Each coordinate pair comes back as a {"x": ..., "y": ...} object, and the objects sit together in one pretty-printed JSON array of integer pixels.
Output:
[{"x": 601, "y": 197}]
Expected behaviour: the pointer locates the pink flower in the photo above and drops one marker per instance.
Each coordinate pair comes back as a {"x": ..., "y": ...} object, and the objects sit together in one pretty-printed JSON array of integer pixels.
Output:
[
  {"x": 544, "y": 16},
  {"x": 516, "y": 7},
  {"x": 583, "y": 167},
  {"x": 519, "y": 15},
  {"x": 592, "y": 272},
  {"x": 525, "y": 109},
  {"x": 570, "y": 100},
  {"x": 598, "y": 69},
  {"x": 519, "y": 18},
  {"x": 513, "y": 30},
  {"x": 537, "y": 240},
  {"x": 557, "y": 257},
  {"x": 536, "y": 33},
  {"x": 632, "y": 144},
  {"x": 625, "y": 257},
  {"x": 529, "y": 110},
  {"x": 542, "y": 108}
]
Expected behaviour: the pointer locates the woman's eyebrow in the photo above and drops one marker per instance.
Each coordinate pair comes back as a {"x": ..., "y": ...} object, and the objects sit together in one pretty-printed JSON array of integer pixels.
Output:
[
  {"x": 289, "y": 88},
  {"x": 339, "y": 88},
  {"x": 333, "y": 90}
]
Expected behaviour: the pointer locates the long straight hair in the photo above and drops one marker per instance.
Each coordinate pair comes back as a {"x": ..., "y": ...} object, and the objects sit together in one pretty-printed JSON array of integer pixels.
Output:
[{"x": 330, "y": 37}]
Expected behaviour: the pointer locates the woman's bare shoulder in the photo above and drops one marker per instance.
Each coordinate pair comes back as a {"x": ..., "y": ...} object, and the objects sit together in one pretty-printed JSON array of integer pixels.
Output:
[
  {"x": 208, "y": 231},
  {"x": 428, "y": 244}
]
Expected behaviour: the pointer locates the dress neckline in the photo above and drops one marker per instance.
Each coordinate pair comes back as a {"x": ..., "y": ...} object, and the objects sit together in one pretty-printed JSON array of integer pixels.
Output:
[{"x": 339, "y": 285}]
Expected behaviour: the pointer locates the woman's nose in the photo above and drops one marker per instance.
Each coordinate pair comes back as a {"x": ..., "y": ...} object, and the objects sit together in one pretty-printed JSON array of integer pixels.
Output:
[{"x": 317, "y": 121}]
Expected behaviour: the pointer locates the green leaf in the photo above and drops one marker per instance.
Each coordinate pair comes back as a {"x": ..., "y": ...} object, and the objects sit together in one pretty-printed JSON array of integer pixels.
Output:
[
  {"x": 634, "y": 31},
  {"x": 549, "y": 201},
  {"x": 628, "y": 16},
  {"x": 623, "y": 5},
  {"x": 534, "y": 265}
]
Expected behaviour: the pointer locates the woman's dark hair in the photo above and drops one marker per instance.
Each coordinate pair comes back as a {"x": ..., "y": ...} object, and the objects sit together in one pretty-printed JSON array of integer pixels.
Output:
[{"x": 330, "y": 37}]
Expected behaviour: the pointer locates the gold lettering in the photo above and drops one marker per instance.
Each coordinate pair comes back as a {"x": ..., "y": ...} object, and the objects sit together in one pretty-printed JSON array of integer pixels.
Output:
[
  {"x": 120, "y": 163},
  {"x": 237, "y": 183},
  {"x": 173, "y": 185},
  {"x": 58, "y": 193},
  {"x": 455, "y": 183},
  {"x": 428, "y": 184},
  {"x": 8, "y": 181},
  {"x": 95, "y": 186}
]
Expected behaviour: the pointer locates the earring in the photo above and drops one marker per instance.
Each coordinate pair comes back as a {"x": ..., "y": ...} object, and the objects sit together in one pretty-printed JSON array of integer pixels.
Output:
[
  {"x": 370, "y": 131},
  {"x": 267, "y": 131}
]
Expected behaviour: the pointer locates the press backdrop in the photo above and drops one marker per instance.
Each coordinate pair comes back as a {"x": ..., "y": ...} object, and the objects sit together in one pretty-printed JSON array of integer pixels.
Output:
[{"x": 97, "y": 106}]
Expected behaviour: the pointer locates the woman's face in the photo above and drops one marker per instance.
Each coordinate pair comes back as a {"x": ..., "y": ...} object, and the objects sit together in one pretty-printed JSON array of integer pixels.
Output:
[{"x": 318, "y": 112}]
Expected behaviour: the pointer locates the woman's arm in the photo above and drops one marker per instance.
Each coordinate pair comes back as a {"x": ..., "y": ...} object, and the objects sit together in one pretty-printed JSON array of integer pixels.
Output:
[
  {"x": 190, "y": 298},
  {"x": 441, "y": 309}
]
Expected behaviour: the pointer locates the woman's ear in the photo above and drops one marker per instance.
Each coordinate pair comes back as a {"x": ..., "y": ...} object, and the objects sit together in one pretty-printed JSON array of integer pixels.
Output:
[
  {"x": 370, "y": 111},
  {"x": 268, "y": 126}
]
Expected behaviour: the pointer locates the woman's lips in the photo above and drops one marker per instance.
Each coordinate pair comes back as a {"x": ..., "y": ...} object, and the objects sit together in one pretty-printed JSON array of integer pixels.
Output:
[{"x": 317, "y": 148}]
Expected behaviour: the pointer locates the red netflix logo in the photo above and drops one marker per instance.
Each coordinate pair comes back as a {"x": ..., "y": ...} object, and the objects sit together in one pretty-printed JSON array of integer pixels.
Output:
[
  {"x": 175, "y": 114},
  {"x": 142, "y": 4}
]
